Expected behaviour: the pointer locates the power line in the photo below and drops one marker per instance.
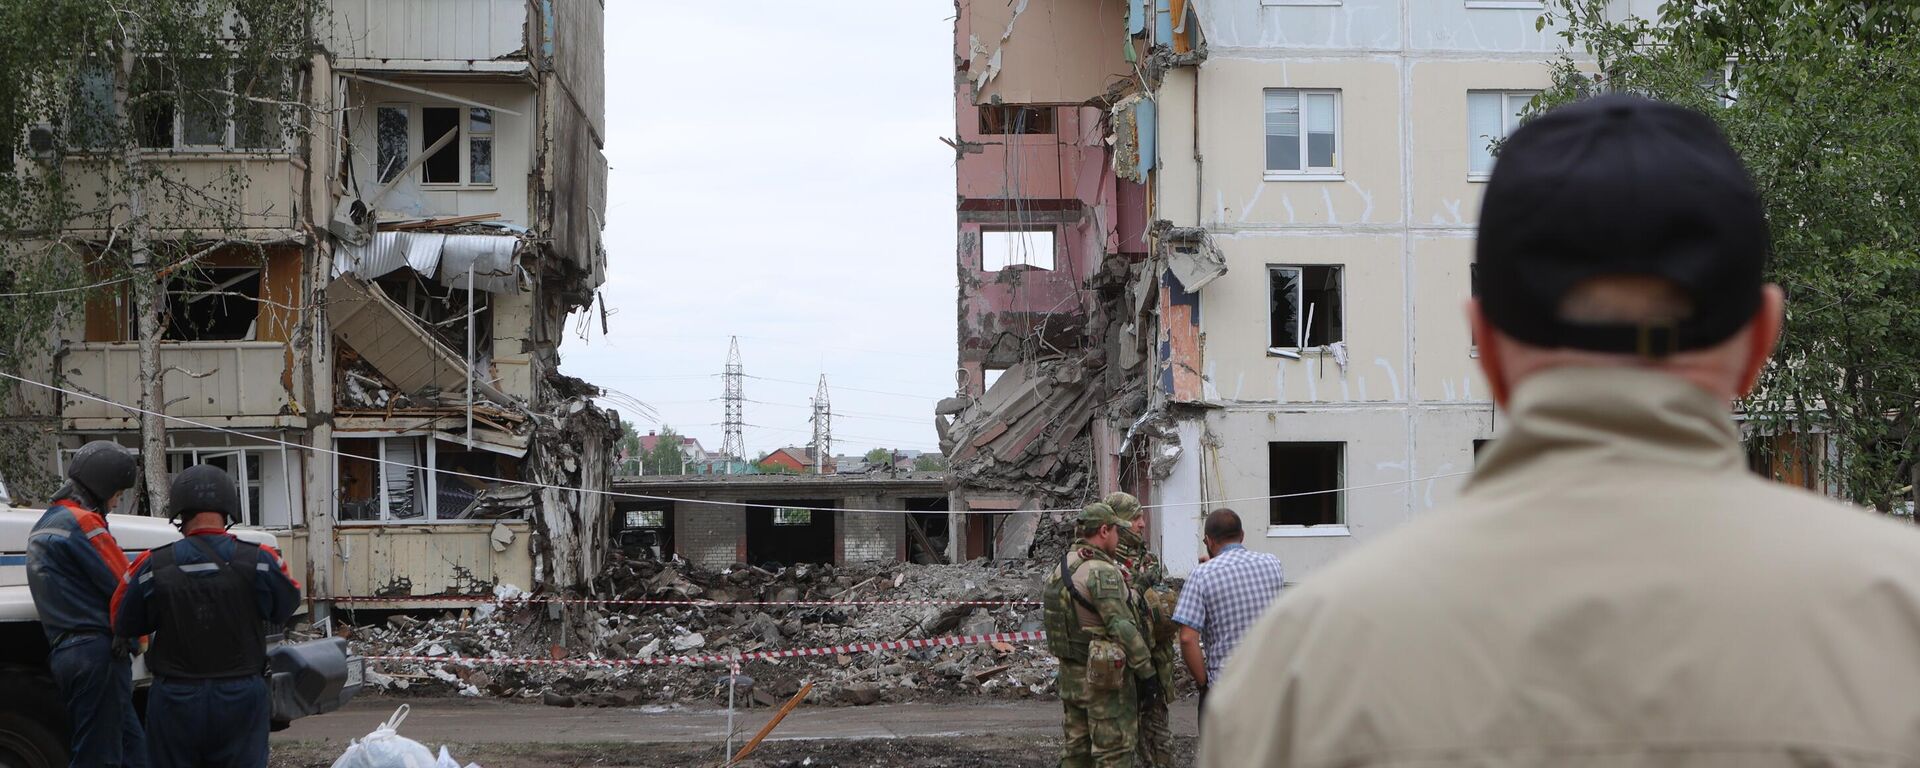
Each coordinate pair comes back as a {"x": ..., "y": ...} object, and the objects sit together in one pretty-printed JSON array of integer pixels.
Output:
[
  {"x": 52, "y": 291},
  {"x": 646, "y": 497},
  {"x": 853, "y": 389}
]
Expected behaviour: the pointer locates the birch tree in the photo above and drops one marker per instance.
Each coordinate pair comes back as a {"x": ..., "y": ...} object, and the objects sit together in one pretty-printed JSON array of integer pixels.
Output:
[{"x": 97, "y": 100}]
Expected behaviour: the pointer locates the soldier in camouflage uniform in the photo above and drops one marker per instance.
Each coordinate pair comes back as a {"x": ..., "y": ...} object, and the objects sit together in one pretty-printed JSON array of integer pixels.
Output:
[
  {"x": 1104, "y": 660},
  {"x": 1155, "y": 601}
]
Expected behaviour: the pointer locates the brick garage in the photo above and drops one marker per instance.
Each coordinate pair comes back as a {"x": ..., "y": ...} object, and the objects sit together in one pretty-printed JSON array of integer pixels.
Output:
[{"x": 719, "y": 520}]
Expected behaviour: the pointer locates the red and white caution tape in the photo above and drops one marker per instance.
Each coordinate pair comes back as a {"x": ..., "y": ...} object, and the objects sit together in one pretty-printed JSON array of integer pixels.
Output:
[
  {"x": 733, "y": 658},
  {"x": 678, "y": 603}
]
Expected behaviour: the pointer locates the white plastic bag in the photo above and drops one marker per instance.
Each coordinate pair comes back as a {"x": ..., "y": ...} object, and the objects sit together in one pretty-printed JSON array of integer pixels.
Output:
[
  {"x": 447, "y": 761},
  {"x": 386, "y": 748}
]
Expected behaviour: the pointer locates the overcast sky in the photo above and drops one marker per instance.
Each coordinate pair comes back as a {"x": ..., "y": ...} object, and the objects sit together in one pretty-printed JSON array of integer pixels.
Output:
[{"x": 777, "y": 175}]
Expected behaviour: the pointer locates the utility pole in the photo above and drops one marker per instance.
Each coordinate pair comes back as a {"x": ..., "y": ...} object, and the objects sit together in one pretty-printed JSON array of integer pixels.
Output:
[
  {"x": 822, "y": 429},
  {"x": 734, "y": 444}
]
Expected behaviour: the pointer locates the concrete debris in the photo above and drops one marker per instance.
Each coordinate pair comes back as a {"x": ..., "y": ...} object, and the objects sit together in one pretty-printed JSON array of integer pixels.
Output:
[
  {"x": 1028, "y": 435},
  {"x": 1190, "y": 255},
  {"x": 633, "y": 632}
]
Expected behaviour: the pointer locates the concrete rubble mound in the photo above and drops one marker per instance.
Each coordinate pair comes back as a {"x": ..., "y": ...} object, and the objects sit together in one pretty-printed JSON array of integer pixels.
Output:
[{"x": 729, "y": 623}]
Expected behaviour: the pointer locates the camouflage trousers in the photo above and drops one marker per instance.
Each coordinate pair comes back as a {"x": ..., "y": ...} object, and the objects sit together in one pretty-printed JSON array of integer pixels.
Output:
[
  {"x": 1155, "y": 744},
  {"x": 1099, "y": 729}
]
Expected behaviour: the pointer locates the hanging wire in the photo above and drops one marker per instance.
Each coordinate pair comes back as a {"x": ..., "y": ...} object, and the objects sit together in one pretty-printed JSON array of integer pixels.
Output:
[{"x": 649, "y": 497}]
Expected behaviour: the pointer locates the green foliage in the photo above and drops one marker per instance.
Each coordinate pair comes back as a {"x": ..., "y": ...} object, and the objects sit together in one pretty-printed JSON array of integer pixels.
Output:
[
  {"x": 879, "y": 456},
  {"x": 1819, "y": 103},
  {"x": 667, "y": 455},
  {"x": 930, "y": 462},
  {"x": 95, "y": 97}
]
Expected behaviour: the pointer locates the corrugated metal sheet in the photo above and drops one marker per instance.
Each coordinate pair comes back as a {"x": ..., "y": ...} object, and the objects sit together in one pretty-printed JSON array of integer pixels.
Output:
[
  {"x": 462, "y": 30},
  {"x": 491, "y": 259},
  {"x": 430, "y": 253}
]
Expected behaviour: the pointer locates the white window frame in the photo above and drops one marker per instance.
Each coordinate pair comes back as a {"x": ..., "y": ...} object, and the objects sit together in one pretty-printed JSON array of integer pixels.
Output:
[
  {"x": 430, "y": 481},
  {"x": 1511, "y": 5},
  {"x": 412, "y": 151},
  {"x": 247, "y": 456},
  {"x": 1340, "y": 497},
  {"x": 1299, "y": 298},
  {"x": 417, "y": 144},
  {"x": 1307, "y": 172},
  {"x": 1509, "y": 121},
  {"x": 230, "y": 135}
]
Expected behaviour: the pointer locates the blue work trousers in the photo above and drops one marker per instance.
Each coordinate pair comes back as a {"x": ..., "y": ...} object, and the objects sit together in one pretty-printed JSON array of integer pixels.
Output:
[
  {"x": 219, "y": 723},
  {"x": 98, "y": 689}
]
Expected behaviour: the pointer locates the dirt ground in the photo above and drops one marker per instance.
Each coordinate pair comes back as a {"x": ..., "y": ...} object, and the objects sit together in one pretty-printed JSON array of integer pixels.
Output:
[{"x": 941, "y": 752}]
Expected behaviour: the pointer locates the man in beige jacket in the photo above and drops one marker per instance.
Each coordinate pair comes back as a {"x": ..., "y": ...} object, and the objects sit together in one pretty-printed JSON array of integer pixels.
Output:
[{"x": 1613, "y": 587}]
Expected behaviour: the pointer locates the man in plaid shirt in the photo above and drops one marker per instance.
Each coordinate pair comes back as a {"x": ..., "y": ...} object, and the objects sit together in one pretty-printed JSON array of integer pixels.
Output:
[{"x": 1223, "y": 598}]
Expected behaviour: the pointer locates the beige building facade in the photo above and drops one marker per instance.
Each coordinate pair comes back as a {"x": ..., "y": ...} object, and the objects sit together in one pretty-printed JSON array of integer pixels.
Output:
[{"x": 1335, "y": 152}]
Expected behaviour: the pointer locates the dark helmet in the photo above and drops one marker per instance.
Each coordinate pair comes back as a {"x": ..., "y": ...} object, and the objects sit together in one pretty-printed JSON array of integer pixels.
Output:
[
  {"x": 101, "y": 469},
  {"x": 203, "y": 488}
]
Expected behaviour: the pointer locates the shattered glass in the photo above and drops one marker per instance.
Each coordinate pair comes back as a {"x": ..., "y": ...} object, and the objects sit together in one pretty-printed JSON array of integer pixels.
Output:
[
  {"x": 1283, "y": 291},
  {"x": 391, "y": 125}
]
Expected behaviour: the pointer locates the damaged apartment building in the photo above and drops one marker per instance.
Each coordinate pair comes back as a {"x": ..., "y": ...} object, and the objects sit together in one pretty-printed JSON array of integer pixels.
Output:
[
  {"x": 1057, "y": 263},
  {"x": 1217, "y": 254},
  {"x": 426, "y": 237}
]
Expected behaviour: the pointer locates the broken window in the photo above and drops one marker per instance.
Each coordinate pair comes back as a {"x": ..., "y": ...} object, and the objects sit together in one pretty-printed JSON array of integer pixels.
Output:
[
  {"x": 260, "y": 475},
  {"x": 646, "y": 518},
  {"x": 416, "y": 479},
  {"x": 1491, "y": 117},
  {"x": 480, "y": 146},
  {"x": 1009, "y": 119},
  {"x": 1473, "y": 290},
  {"x": 442, "y": 167},
  {"x": 213, "y": 304},
  {"x": 1305, "y": 309},
  {"x": 1306, "y": 482},
  {"x": 390, "y": 123},
  {"x": 1303, "y": 129},
  {"x": 379, "y": 480},
  {"x": 1027, "y": 248},
  {"x": 456, "y": 479}
]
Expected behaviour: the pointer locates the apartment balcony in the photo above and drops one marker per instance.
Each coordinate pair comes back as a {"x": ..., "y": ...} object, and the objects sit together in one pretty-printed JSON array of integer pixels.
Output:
[{"x": 235, "y": 384}]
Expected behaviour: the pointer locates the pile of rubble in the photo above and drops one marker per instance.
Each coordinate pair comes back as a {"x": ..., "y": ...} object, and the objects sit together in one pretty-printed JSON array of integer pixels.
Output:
[{"x": 729, "y": 622}]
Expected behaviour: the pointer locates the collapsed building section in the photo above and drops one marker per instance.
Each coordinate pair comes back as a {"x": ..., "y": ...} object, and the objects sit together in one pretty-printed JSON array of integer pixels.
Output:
[
  {"x": 465, "y": 231},
  {"x": 1059, "y": 266}
]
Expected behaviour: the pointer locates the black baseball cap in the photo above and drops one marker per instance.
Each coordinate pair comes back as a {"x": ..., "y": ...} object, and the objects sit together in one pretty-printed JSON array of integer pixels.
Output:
[{"x": 1620, "y": 185}]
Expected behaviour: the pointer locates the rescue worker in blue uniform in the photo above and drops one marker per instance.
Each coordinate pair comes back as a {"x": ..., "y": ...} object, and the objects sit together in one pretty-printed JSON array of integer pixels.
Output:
[
  {"x": 207, "y": 600},
  {"x": 73, "y": 567}
]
